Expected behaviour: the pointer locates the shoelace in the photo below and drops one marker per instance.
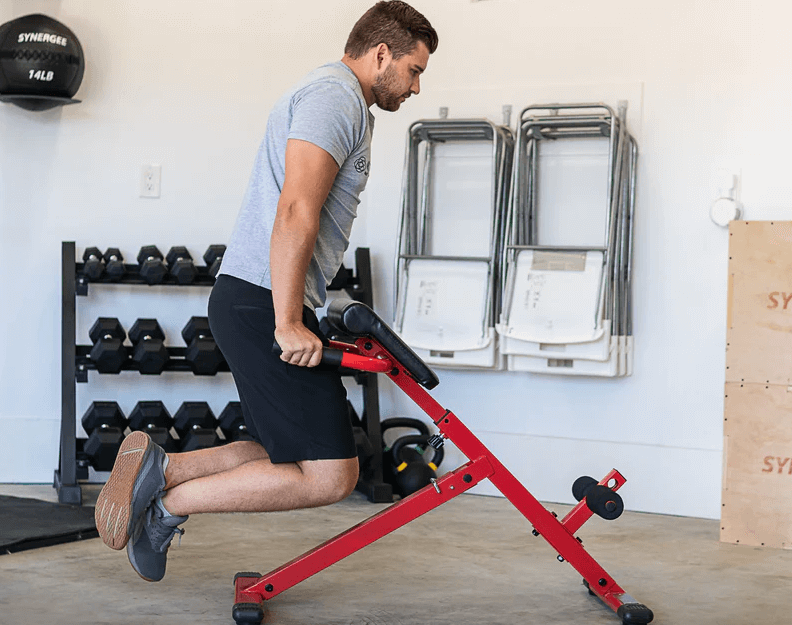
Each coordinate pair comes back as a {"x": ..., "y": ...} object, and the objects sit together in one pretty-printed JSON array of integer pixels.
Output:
[{"x": 161, "y": 534}]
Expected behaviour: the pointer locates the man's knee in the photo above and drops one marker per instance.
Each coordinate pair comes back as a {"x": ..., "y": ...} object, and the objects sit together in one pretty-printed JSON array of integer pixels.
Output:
[
  {"x": 341, "y": 481},
  {"x": 333, "y": 480}
]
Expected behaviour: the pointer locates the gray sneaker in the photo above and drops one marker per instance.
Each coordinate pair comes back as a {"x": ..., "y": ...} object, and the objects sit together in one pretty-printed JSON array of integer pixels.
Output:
[
  {"x": 138, "y": 476},
  {"x": 148, "y": 547}
]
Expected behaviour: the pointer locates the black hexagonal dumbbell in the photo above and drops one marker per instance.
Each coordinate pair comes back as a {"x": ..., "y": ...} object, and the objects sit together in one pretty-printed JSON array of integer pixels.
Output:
[
  {"x": 196, "y": 425},
  {"x": 202, "y": 353},
  {"x": 232, "y": 423},
  {"x": 94, "y": 264},
  {"x": 181, "y": 265},
  {"x": 105, "y": 424},
  {"x": 153, "y": 418},
  {"x": 108, "y": 353},
  {"x": 149, "y": 352},
  {"x": 213, "y": 257},
  {"x": 114, "y": 268},
  {"x": 152, "y": 264}
]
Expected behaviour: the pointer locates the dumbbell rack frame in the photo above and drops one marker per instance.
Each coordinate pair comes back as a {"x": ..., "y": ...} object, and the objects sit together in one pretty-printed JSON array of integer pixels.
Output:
[
  {"x": 360, "y": 288},
  {"x": 76, "y": 362}
]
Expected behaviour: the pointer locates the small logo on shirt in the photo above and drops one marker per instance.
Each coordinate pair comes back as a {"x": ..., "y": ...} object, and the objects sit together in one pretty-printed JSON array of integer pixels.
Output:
[{"x": 362, "y": 166}]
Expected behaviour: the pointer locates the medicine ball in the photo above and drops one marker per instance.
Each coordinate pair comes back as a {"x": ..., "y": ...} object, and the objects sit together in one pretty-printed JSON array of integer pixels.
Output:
[{"x": 41, "y": 63}]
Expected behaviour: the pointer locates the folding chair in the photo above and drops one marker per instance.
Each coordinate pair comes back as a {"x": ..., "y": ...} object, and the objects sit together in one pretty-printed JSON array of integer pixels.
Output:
[
  {"x": 455, "y": 187},
  {"x": 565, "y": 301},
  {"x": 377, "y": 348}
]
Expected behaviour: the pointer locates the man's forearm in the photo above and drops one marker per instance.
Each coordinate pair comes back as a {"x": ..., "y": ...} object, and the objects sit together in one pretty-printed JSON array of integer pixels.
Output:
[{"x": 291, "y": 248}]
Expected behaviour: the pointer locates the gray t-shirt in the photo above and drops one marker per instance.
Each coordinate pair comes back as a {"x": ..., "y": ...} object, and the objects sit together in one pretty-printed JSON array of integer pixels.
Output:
[{"x": 326, "y": 108}]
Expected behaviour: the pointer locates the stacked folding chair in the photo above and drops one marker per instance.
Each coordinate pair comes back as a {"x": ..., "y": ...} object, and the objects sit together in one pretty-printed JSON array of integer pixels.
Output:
[
  {"x": 454, "y": 196},
  {"x": 566, "y": 284}
]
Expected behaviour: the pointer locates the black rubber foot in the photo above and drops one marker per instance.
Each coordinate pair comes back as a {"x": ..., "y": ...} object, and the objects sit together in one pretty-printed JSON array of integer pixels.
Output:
[
  {"x": 634, "y": 614},
  {"x": 248, "y": 613}
]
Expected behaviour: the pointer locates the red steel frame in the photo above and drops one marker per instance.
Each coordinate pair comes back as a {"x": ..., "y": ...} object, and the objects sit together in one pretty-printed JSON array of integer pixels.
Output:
[{"x": 368, "y": 355}]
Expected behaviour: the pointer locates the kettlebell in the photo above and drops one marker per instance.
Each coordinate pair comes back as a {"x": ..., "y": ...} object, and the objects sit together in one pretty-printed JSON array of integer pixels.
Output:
[
  {"x": 408, "y": 454},
  {"x": 403, "y": 422},
  {"x": 411, "y": 472}
]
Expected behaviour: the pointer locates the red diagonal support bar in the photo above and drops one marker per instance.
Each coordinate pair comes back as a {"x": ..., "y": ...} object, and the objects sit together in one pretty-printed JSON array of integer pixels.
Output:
[
  {"x": 551, "y": 529},
  {"x": 373, "y": 528}
]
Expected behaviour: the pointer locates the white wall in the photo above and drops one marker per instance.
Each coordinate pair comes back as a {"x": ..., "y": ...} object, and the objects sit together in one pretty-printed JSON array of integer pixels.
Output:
[{"x": 188, "y": 84}]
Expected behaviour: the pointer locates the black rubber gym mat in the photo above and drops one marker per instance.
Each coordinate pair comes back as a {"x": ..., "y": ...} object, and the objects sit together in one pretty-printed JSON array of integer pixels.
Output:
[{"x": 31, "y": 523}]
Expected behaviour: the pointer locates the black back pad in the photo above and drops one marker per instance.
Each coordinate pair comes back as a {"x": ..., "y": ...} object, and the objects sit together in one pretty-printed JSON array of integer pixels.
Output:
[{"x": 357, "y": 319}]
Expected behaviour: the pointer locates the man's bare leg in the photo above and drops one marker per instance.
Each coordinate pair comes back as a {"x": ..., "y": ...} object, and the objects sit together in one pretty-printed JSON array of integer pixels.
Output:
[
  {"x": 137, "y": 478},
  {"x": 194, "y": 464},
  {"x": 261, "y": 486}
]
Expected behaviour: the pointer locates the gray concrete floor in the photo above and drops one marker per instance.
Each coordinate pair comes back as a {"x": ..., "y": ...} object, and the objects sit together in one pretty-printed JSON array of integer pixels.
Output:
[{"x": 471, "y": 561}]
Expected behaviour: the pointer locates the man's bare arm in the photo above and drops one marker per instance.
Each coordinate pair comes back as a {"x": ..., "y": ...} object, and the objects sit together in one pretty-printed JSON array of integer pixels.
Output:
[{"x": 310, "y": 172}]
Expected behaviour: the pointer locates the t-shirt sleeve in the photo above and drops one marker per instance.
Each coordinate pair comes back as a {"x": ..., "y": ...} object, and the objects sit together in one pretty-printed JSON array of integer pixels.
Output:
[{"x": 328, "y": 115}]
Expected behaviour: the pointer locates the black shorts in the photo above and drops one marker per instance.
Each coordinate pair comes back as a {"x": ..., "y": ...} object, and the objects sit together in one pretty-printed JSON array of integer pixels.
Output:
[{"x": 296, "y": 413}]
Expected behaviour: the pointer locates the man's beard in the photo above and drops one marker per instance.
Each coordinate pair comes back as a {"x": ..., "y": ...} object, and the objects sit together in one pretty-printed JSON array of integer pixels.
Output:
[{"x": 384, "y": 90}]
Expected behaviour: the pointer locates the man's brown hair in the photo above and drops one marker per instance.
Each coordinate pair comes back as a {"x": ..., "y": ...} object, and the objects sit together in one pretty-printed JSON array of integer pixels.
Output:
[{"x": 394, "y": 23}]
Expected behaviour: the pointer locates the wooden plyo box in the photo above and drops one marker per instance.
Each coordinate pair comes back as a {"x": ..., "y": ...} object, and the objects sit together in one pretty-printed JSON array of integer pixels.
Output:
[
  {"x": 757, "y": 465},
  {"x": 759, "y": 323},
  {"x": 757, "y": 448}
]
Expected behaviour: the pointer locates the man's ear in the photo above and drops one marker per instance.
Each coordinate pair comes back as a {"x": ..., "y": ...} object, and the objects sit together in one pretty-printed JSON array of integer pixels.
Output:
[{"x": 383, "y": 56}]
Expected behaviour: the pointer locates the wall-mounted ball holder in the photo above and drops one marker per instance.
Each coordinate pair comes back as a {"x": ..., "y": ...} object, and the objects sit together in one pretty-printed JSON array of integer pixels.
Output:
[{"x": 726, "y": 207}]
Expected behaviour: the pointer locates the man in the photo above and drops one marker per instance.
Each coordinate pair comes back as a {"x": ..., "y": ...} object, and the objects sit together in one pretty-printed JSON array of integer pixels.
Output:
[{"x": 287, "y": 245}]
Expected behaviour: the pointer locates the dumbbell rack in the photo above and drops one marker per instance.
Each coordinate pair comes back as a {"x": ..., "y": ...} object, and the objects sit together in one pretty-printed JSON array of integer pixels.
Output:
[{"x": 76, "y": 362}]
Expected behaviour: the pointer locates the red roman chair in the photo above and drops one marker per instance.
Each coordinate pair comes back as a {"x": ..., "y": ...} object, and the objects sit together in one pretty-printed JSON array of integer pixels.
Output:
[{"x": 378, "y": 349}]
